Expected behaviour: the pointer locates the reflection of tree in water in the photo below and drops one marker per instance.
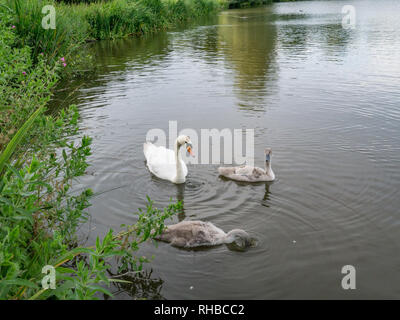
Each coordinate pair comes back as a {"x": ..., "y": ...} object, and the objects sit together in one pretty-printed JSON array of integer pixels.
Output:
[
  {"x": 296, "y": 39},
  {"x": 142, "y": 286},
  {"x": 180, "y": 192},
  {"x": 248, "y": 40},
  {"x": 334, "y": 39},
  {"x": 293, "y": 39},
  {"x": 203, "y": 41},
  {"x": 116, "y": 53},
  {"x": 111, "y": 57},
  {"x": 267, "y": 193}
]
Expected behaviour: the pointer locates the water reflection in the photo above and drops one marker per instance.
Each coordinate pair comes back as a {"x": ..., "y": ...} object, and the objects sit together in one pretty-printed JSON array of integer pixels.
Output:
[
  {"x": 248, "y": 42},
  {"x": 143, "y": 285},
  {"x": 180, "y": 192},
  {"x": 111, "y": 60},
  {"x": 336, "y": 38},
  {"x": 293, "y": 39},
  {"x": 266, "y": 197}
]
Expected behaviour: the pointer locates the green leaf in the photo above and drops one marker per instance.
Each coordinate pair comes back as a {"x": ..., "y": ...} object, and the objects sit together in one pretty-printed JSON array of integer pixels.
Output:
[
  {"x": 17, "y": 138},
  {"x": 19, "y": 282},
  {"x": 100, "y": 288}
]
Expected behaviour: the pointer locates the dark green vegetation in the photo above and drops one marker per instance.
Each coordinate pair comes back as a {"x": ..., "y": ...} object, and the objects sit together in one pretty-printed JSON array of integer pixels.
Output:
[
  {"x": 42, "y": 155},
  {"x": 79, "y": 23},
  {"x": 232, "y": 4},
  {"x": 246, "y": 3}
]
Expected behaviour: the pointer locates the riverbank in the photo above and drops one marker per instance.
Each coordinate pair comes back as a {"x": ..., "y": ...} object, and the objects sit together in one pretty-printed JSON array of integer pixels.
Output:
[
  {"x": 39, "y": 159},
  {"x": 84, "y": 22},
  {"x": 56, "y": 52}
]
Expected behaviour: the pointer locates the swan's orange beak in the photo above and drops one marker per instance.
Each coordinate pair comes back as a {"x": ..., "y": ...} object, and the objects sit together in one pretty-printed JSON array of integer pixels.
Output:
[{"x": 190, "y": 151}]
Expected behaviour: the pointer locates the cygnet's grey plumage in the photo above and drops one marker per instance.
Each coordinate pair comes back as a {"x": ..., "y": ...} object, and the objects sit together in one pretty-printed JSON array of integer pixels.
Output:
[
  {"x": 249, "y": 173},
  {"x": 190, "y": 234}
]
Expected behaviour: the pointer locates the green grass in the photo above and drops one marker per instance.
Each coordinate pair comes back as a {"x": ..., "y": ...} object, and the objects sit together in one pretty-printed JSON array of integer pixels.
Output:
[{"x": 96, "y": 20}]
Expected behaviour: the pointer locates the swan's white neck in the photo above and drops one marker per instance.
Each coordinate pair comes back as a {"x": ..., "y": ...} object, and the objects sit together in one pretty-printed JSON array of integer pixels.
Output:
[{"x": 180, "y": 177}]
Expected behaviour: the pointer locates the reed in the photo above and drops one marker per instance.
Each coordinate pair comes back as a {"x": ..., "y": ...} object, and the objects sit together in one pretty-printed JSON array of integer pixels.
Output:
[{"x": 80, "y": 21}]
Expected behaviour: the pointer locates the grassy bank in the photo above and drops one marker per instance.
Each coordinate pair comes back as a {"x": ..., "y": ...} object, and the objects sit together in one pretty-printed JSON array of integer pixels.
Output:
[
  {"x": 86, "y": 21},
  {"x": 41, "y": 155}
]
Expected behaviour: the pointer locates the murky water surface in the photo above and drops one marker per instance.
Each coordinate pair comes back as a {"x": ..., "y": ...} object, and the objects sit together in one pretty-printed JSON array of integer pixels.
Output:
[{"x": 325, "y": 99}]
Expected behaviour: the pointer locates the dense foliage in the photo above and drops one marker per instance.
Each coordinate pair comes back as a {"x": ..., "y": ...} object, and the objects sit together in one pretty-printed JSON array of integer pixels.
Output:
[
  {"x": 82, "y": 22},
  {"x": 40, "y": 158}
]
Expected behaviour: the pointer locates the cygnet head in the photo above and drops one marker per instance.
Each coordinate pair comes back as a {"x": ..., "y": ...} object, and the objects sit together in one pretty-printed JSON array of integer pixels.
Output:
[
  {"x": 239, "y": 238},
  {"x": 182, "y": 139},
  {"x": 268, "y": 155}
]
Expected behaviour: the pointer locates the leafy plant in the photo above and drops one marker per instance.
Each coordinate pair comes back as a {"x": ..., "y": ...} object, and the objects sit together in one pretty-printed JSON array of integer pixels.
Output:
[
  {"x": 39, "y": 217},
  {"x": 21, "y": 133},
  {"x": 41, "y": 155}
]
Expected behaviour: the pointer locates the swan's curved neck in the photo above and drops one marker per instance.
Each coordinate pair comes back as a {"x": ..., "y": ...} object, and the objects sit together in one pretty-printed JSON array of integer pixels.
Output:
[
  {"x": 178, "y": 159},
  {"x": 228, "y": 238},
  {"x": 268, "y": 169}
]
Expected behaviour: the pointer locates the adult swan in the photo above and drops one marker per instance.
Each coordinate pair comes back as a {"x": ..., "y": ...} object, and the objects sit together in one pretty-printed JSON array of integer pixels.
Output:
[{"x": 167, "y": 164}]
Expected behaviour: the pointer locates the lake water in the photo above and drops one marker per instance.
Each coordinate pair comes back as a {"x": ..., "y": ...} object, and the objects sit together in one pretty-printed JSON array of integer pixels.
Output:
[{"x": 324, "y": 98}]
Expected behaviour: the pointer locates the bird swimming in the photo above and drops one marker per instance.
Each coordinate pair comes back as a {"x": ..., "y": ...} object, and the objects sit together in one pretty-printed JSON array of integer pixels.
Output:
[
  {"x": 248, "y": 173},
  {"x": 168, "y": 164},
  {"x": 191, "y": 234}
]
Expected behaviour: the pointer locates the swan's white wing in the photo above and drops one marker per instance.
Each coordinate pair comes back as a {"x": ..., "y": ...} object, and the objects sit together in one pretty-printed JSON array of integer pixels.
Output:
[{"x": 161, "y": 161}]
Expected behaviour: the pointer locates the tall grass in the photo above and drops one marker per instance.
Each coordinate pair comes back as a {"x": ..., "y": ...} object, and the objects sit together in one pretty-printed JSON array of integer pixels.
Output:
[
  {"x": 81, "y": 21},
  {"x": 17, "y": 138},
  {"x": 69, "y": 35}
]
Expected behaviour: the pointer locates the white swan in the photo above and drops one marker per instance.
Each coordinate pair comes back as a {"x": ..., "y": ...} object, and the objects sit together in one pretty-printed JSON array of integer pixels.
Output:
[
  {"x": 248, "y": 173},
  {"x": 167, "y": 164},
  {"x": 190, "y": 234}
]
